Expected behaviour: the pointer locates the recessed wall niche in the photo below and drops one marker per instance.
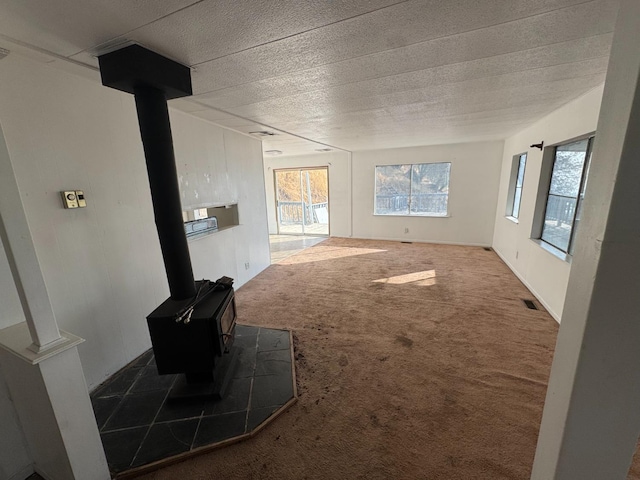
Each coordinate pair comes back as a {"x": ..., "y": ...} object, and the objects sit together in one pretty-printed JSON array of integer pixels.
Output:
[{"x": 206, "y": 220}]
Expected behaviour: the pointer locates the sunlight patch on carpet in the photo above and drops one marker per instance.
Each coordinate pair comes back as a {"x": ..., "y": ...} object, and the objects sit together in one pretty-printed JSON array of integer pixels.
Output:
[
  {"x": 425, "y": 278},
  {"x": 318, "y": 254}
]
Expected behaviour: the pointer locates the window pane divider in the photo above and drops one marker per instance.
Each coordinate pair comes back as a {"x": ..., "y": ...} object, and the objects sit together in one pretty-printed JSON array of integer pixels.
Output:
[{"x": 564, "y": 196}]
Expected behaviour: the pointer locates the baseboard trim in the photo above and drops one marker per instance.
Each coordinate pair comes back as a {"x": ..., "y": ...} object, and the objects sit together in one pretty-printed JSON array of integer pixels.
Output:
[{"x": 555, "y": 316}]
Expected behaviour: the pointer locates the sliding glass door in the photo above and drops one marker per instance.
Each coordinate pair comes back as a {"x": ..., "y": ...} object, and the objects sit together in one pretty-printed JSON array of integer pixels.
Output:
[{"x": 302, "y": 201}]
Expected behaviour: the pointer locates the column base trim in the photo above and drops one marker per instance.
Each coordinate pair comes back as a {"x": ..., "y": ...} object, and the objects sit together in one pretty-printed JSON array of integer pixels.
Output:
[{"x": 16, "y": 340}]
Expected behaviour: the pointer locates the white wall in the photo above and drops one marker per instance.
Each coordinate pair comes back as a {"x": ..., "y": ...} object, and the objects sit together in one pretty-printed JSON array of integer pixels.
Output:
[
  {"x": 473, "y": 188},
  {"x": 218, "y": 167},
  {"x": 545, "y": 274},
  {"x": 338, "y": 164},
  {"x": 102, "y": 264}
]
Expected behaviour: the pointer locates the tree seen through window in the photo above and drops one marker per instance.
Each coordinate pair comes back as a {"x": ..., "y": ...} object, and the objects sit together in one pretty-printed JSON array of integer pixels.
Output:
[{"x": 412, "y": 189}]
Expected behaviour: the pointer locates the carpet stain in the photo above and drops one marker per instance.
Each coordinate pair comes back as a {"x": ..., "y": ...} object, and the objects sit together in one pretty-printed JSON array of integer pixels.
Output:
[
  {"x": 404, "y": 341},
  {"x": 453, "y": 461},
  {"x": 374, "y": 420}
]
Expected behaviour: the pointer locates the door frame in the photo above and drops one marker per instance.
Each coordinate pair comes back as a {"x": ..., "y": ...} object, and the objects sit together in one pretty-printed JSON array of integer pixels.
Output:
[{"x": 275, "y": 190}]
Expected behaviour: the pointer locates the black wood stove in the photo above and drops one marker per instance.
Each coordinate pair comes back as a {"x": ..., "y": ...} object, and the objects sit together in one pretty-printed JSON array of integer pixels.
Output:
[
  {"x": 195, "y": 337},
  {"x": 191, "y": 332}
]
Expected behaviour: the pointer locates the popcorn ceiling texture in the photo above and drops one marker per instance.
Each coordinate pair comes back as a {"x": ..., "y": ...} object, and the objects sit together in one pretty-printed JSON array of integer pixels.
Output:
[
  {"x": 353, "y": 75},
  {"x": 414, "y": 361}
]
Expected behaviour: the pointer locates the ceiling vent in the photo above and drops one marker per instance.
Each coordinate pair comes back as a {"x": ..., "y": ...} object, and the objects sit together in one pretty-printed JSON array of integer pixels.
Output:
[
  {"x": 324, "y": 149},
  {"x": 3, "y": 53},
  {"x": 273, "y": 152},
  {"x": 263, "y": 133}
]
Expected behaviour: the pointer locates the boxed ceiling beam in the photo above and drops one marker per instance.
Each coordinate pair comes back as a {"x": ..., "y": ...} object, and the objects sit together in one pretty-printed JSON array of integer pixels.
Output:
[{"x": 135, "y": 66}]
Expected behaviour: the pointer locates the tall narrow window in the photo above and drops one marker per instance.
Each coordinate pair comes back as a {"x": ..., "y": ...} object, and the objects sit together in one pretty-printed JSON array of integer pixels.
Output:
[
  {"x": 416, "y": 189},
  {"x": 515, "y": 186},
  {"x": 566, "y": 191}
]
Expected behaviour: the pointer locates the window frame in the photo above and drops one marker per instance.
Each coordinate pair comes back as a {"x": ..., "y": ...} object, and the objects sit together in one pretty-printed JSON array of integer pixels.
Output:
[
  {"x": 579, "y": 197},
  {"x": 513, "y": 186},
  {"x": 409, "y": 194}
]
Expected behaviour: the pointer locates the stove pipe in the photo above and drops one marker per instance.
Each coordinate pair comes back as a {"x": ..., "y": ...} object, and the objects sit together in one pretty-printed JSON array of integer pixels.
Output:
[
  {"x": 153, "y": 117},
  {"x": 153, "y": 79}
]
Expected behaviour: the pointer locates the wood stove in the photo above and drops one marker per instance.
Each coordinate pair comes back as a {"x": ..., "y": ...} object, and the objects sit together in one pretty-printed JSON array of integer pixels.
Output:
[
  {"x": 192, "y": 339},
  {"x": 192, "y": 331}
]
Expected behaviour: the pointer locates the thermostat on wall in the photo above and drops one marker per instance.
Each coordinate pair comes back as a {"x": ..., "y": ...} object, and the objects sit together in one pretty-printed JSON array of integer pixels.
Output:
[{"x": 73, "y": 199}]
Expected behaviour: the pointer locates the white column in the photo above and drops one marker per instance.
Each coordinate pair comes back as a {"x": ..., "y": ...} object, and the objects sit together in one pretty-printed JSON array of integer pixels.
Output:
[
  {"x": 40, "y": 363},
  {"x": 50, "y": 397},
  {"x": 591, "y": 419},
  {"x": 23, "y": 260}
]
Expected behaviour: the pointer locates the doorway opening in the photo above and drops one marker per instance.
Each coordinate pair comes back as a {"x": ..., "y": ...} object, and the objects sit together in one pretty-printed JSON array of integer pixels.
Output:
[{"x": 302, "y": 201}]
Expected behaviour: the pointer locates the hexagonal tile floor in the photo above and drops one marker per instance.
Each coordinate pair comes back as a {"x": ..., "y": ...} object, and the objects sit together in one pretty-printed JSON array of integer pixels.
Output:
[{"x": 142, "y": 429}]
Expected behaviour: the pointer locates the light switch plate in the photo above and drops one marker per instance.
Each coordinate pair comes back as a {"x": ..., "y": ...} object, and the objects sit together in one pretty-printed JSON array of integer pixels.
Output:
[
  {"x": 69, "y": 199},
  {"x": 82, "y": 202}
]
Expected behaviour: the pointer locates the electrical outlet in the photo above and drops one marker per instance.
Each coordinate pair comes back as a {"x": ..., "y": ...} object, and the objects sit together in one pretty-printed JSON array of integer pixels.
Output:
[
  {"x": 246, "y": 266},
  {"x": 406, "y": 229}
]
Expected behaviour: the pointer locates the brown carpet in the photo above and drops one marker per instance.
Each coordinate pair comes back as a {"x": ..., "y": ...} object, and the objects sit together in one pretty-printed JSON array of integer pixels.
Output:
[{"x": 415, "y": 361}]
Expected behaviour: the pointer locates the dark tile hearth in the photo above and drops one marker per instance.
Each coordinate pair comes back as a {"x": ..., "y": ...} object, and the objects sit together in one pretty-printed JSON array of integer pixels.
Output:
[{"x": 140, "y": 425}]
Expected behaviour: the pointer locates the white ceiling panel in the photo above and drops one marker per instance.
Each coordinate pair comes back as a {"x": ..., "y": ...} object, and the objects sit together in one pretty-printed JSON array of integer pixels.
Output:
[
  {"x": 347, "y": 79},
  {"x": 420, "y": 29},
  {"x": 507, "y": 116},
  {"x": 187, "y": 105},
  {"x": 215, "y": 29},
  {"x": 66, "y": 27},
  {"x": 351, "y": 74},
  {"x": 322, "y": 102},
  {"x": 532, "y": 106},
  {"x": 450, "y": 100},
  {"x": 215, "y": 116}
]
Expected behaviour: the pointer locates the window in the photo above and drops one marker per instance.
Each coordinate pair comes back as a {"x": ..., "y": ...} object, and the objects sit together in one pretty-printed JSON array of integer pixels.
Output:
[
  {"x": 418, "y": 189},
  {"x": 515, "y": 185},
  {"x": 566, "y": 191}
]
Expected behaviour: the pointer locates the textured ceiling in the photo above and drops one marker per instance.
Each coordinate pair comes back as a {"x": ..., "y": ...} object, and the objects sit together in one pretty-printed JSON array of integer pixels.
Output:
[{"x": 349, "y": 74}]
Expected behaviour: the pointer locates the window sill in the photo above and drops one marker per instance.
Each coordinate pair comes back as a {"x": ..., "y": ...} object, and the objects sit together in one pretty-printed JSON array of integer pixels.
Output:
[
  {"x": 565, "y": 257},
  {"x": 512, "y": 219}
]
